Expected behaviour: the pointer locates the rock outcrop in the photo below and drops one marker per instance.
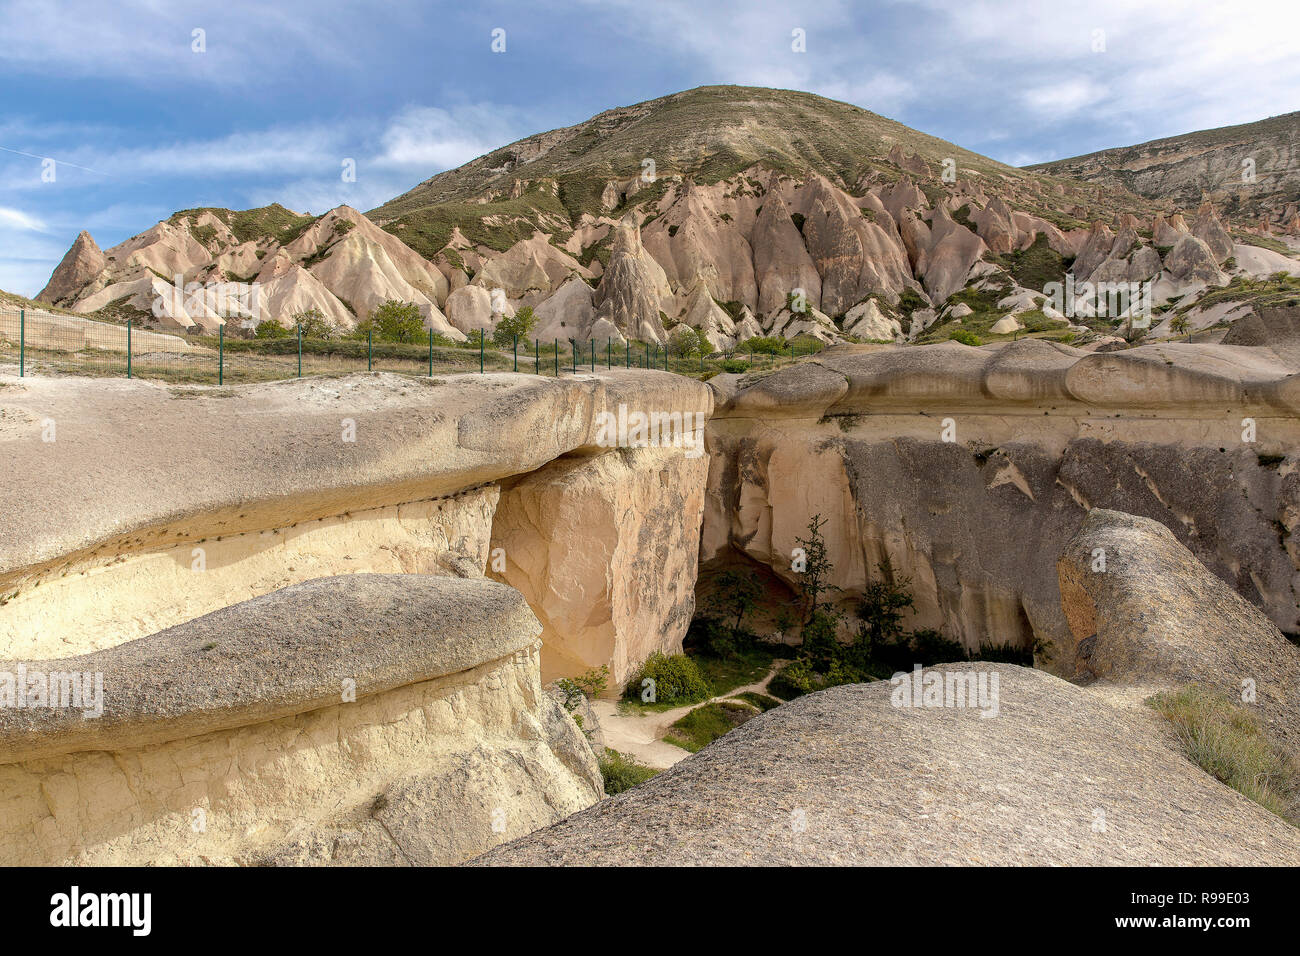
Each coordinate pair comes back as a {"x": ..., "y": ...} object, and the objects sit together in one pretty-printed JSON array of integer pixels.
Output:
[
  {"x": 606, "y": 550},
  {"x": 81, "y": 265},
  {"x": 277, "y": 484},
  {"x": 1145, "y": 612},
  {"x": 366, "y": 719},
  {"x": 843, "y": 777},
  {"x": 1040, "y": 433}
]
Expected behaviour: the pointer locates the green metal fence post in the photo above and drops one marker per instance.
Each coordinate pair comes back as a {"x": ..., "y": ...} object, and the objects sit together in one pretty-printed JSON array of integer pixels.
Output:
[
  {"x": 370, "y": 350},
  {"x": 627, "y": 353},
  {"x": 22, "y": 342},
  {"x": 481, "y": 337},
  {"x": 557, "y": 358},
  {"x": 516, "y": 338},
  {"x": 574, "y": 344},
  {"x": 537, "y": 356},
  {"x": 593, "y": 355},
  {"x": 300, "y": 350},
  {"x": 128, "y": 348},
  {"x": 609, "y": 353},
  {"x": 221, "y": 353},
  {"x": 431, "y": 353}
]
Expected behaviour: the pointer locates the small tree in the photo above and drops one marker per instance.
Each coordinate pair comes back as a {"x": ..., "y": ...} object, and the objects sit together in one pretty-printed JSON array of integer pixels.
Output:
[
  {"x": 395, "y": 321},
  {"x": 881, "y": 610},
  {"x": 688, "y": 341},
  {"x": 737, "y": 592},
  {"x": 270, "y": 329},
  {"x": 314, "y": 325},
  {"x": 816, "y": 568},
  {"x": 520, "y": 324},
  {"x": 1178, "y": 324}
]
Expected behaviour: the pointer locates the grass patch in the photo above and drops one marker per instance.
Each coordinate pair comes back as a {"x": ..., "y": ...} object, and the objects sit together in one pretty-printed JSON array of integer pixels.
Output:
[
  {"x": 622, "y": 772},
  {"x": 748, "y": 665},
  {"x": 1226, "y": 741},
  {"x": 762, "y": 701},
  {"x": 703, "y": 725}
]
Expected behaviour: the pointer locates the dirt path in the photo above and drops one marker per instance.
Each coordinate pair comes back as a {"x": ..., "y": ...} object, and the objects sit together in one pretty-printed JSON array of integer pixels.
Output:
[{"x": 640, "y": 734}]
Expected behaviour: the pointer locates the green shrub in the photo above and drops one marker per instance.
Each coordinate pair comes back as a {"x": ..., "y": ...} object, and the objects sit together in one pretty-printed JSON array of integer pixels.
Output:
[
  {"x": 735, "y": 365},
  {"x": 795, "y": 679},
  {"x": 965, "y": 337},
  {"x": 677, "y": 680},
  {"x": 622, "y": 772},
  {"x": 394, "y": 321},
  {"x": 271, "y": 329},
  {"x": 313, "y": 324},
  {"x": 765, "y": 345},
  {"x": 519, "y": 324}
]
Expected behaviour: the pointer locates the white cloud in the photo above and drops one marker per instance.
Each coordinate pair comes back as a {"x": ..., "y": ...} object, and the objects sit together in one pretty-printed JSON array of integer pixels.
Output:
[
  {"x": 17, "y": 219},
  {"x": 1065, "y": 98}
]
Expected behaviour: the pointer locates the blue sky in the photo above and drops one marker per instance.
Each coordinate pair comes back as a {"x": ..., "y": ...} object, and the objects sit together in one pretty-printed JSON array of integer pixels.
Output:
[{"x": 140, "y": 124}]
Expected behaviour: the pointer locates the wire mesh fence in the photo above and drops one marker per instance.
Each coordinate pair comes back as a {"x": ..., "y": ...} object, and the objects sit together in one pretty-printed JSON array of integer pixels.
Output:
[{"x": 45, "y": 343}]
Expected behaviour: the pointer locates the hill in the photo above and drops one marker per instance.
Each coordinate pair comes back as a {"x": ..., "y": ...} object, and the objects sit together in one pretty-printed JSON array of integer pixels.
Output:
[{"x": 1252, "y": 169}]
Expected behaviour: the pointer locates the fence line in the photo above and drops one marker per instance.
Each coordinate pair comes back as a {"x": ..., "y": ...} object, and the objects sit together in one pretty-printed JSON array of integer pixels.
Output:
[{"x": 45, "y": 343}]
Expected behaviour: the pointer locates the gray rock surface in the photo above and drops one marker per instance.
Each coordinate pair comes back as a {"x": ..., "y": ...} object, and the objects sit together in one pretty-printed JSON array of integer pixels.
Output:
[
  {"x": 1059, "y": 777},
  {"x": 1146, "y": 612}
]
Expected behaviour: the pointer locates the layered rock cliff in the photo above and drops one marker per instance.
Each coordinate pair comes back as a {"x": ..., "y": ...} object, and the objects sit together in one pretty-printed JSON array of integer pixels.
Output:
[{"x": 969, "y": 469}]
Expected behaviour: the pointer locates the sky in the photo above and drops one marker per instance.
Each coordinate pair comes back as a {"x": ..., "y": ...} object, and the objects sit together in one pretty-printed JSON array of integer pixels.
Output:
[{"x": 113, "y": 116}]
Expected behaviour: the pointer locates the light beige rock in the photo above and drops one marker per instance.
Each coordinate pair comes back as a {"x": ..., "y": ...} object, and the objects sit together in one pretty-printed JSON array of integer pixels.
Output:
[
  {"x": 605, "y": 549},
  {"x": 82, "y": 263},
  {"x": 391, "y": 719}
]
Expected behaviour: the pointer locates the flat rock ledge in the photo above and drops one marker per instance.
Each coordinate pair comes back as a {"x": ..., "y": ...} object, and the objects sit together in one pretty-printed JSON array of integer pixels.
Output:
[
  {"x": 367, "y": 718},
  {"x": 1059, "y": 777}
]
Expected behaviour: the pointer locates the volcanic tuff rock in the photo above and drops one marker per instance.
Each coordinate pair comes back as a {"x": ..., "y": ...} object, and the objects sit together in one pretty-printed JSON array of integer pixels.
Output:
[
  {"x": 1043, "y": 433},
  {"x": 1145, "y": 612},
  {"x": 606, "y": 550},
  {"x": 348, "y": 720},
  {"x": 80, "y": 265},
  {"x": 756, "y": 195},
  {"x": 259, "y": 487},
  {"x": 926, "y": 786}
]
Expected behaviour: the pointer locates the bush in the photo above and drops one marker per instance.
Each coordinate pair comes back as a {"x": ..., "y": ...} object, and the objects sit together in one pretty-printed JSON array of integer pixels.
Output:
[
  {"x": 588, "y": 684},
  {"x": 709, "y": 635},
  {"x": 677, "y": 680},
  {"x": 795, "y": 679},
  {"x": 519, "y": 324},
  {"x": 622, "y": 772},
  {"x": 765, "y": 344},
  {"x": 271, "y": 329},
  {"x": 394, "y": 321},
  {"x": 314, "y": 325},
  {"x": 735, "y": 365},
  {"x": 821, "y": 646},
  {"x": 965, "y": 337},
  {"x": 687, "y": 341}
]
